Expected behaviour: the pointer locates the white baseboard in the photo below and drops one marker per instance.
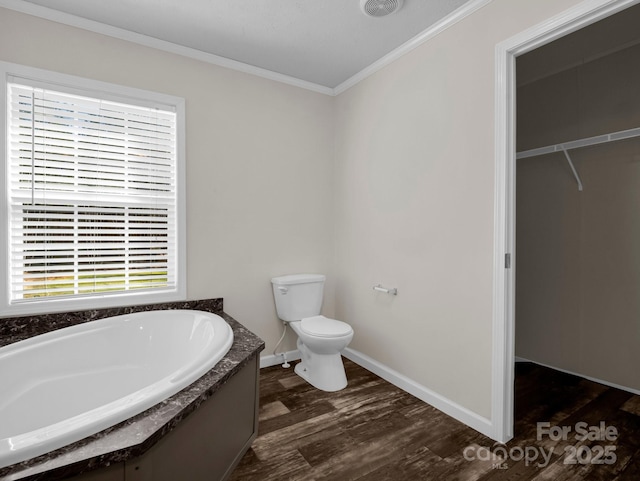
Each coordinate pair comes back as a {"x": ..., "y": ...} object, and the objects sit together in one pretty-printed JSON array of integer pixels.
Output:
[
  {"x": 445, "y": 405},
  {"x": 273, "y": 360},
  {"x": 588, "y": 378}
]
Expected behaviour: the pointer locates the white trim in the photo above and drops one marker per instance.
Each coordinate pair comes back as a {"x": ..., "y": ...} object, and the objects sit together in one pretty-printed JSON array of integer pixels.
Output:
[
  {"x": 462, "y": 414},
  {"x": 401, "y": 381},
  {"x": 588, "y": 378},
  {"x": 122, "y": 34},
  {"x": 432, "y": 31},
  {"x": 181, "y": 199},
  {"x": 147, "y": 41},
  {"x": 567, "y": 22},
  {"x": 502, "y": 372},
  {"x": 71, "y": 83},
  {"x": 273, "y": 360},
  {"x": 74, "y": 84}
]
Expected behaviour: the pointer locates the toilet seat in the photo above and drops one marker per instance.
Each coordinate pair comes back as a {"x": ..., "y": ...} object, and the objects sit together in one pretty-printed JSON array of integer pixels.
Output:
[{"x": 321, "y": 326}]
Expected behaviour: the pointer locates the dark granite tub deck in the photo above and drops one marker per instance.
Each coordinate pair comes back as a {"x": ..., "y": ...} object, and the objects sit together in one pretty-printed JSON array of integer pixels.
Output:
[{"x": 135, "y": 436}]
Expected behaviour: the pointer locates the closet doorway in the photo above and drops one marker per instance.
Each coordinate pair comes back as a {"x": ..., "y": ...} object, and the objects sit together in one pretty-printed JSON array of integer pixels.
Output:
[
  {"x": 568, "y": 294},
  {"x": 577, "y": 283}
]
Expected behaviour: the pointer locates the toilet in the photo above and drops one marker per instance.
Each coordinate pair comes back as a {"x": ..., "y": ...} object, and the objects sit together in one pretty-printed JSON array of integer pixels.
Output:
[{"x": 298, "y": 300}]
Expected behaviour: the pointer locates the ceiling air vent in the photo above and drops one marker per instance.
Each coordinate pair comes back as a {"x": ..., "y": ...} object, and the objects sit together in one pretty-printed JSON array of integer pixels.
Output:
[{"x": 380, "y": 8}]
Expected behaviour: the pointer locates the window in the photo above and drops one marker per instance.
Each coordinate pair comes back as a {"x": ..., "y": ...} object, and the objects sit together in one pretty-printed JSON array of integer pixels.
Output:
[{"x": 92, "y": 187}]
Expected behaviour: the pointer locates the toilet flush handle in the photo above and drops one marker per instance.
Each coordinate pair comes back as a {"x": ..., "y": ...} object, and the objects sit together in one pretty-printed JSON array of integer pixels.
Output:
[{"x": 283, "y": 290}]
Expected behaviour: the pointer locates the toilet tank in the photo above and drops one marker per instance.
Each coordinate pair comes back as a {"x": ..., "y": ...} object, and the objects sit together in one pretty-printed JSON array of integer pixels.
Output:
[{"x": 298, "y": 296}]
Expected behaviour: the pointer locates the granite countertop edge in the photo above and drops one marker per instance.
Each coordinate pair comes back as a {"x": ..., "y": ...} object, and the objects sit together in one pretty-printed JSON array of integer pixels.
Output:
[{"x": 138, "y": 434}]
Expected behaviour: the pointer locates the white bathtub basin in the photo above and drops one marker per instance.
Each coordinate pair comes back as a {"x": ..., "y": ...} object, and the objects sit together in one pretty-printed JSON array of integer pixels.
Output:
[{"x": 60, "y": 387}]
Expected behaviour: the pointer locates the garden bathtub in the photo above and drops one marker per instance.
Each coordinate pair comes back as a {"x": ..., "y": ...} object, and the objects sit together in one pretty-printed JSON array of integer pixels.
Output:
[{"x": 62, "y": 386}]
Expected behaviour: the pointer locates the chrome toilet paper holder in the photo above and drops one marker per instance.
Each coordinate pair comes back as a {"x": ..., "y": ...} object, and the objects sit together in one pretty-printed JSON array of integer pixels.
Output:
[{"x": 387, "y": 290}]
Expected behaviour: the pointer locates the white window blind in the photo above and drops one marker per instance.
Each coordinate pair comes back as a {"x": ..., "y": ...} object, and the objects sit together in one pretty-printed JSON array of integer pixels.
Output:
[{"x": 92, "y": 195}]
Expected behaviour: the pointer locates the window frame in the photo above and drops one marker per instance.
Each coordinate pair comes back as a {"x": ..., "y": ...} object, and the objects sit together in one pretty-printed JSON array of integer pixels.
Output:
[{"x": 106, "y": 91}]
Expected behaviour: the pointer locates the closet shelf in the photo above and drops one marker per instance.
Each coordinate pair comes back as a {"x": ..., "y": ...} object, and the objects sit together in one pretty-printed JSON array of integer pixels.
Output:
[{"x": 575, "y": 144}]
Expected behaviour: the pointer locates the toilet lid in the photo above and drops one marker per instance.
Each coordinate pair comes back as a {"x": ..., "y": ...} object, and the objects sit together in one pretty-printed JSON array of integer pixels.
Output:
[{"x": 325, "y": 327}]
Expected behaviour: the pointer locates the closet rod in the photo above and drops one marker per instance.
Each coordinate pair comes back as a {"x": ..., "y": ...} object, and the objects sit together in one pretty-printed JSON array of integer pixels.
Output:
[{"x": 574, "y": 144}]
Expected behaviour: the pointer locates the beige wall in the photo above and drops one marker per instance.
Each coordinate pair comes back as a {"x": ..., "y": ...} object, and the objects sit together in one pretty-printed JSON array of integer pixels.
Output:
[
  {"x": 259, "y": 161},
  {"x": 578, "y": 272},
  {"x": 415, "y": 192}
]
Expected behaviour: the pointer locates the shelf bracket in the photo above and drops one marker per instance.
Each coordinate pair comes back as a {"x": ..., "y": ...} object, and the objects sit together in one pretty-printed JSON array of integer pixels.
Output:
[{"x": 573, "y": 169}]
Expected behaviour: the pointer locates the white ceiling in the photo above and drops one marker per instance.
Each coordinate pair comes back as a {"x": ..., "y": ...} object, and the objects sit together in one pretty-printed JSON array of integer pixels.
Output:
[{"x": 324, "y": 42}]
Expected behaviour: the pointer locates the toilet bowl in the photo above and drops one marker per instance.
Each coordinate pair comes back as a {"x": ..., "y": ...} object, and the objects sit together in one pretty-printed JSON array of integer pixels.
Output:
[{"x": 320, "y": 341}]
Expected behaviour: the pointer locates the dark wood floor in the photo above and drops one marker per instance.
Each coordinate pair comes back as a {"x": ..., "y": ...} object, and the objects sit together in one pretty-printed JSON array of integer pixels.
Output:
[{"x": 374, "y": 431}]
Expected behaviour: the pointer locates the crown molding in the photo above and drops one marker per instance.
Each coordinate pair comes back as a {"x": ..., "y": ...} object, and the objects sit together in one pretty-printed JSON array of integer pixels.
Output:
[
  {"x": 427, "y": 34},
  {"x": 147, "y": 41}
]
